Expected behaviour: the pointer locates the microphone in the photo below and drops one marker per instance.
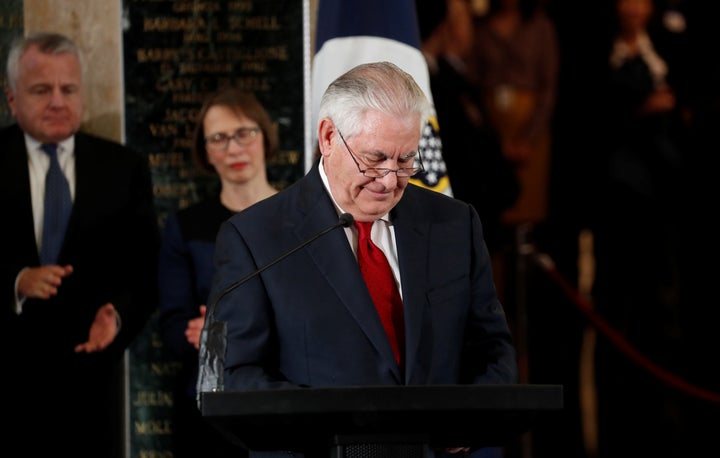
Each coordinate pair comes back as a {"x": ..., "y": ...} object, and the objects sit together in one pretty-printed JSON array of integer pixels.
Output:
[
  {"x": 212, "y": 338},
  {"x": 345, "y": 220}
]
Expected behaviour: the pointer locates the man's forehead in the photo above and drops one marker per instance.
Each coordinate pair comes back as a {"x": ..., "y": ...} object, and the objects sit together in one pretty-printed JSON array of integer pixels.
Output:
[{"x": 387, "y": 145}]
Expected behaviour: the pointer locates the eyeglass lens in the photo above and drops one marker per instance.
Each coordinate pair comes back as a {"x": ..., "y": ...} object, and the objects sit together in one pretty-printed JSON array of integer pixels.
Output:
[
  {"x": 242, "y": 136},
  {"x": 372, "y": 172}
]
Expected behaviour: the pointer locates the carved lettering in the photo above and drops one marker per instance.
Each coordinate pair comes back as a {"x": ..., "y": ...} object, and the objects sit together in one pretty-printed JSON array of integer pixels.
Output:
[
  {"x": 196, "y": 37},
  {"x": 166, "y": 160},
  {"x": 181, "y": 143},
  {"x": 195, "y": 7},
  {"x": 163, "y": 130},
  {"x": 181, "y": 114},
  {"x": 177, "y": 84},
  {"x": 205, "y": 67},
  {"x": 164, "y": 369},
  {"x": 240, "y": 7},
  {"x": 154, "y": 427},
  {"x": 266, "y": 23},
  {"x": 229, "y": 37},
  {"x": 172, "y": 190},
  {"x": 253, "y": 66},
  {"x": 153, "y": 398},
  {"x": 157, "y": 54},
  {"x": 156, "y": 454},
  {"x": 173, "y": 24}
]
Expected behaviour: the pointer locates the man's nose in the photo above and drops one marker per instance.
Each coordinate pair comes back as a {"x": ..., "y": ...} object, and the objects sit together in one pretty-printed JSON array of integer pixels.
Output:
[
  {"x": 57, "y": 98},
  {"x": 390, "y": 180}
]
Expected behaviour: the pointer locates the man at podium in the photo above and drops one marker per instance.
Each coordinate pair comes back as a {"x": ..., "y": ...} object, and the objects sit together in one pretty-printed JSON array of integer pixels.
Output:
[{"x": 296, "y": 285}]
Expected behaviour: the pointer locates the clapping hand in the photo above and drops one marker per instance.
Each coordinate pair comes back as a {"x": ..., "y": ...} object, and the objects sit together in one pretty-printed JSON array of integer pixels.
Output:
[
  {"x": 102, "y": 331},
  {"x": 195, "y": 327}
]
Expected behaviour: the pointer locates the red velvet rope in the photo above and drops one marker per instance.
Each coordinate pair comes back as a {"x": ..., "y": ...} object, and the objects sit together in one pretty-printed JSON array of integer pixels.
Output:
[{"x": 617, "y": 339}]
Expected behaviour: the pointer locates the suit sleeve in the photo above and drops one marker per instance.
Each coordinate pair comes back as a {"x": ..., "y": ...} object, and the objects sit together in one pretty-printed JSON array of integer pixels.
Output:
[
  {"x": 247, "y": 314},
  {"x": 178, "y": 303},
  {"x": 137, "y": 298},
  {"x": 489, "y": 351}
]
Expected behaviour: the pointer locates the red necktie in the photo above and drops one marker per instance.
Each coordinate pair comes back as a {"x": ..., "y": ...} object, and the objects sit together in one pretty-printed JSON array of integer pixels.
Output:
[{"x": 383, "y": 290}]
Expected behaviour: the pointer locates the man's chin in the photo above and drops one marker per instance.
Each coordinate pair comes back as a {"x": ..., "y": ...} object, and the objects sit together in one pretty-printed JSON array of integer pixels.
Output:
[
  {"x": 58, "y": 131},
  {"x": 377, "y": 209}
]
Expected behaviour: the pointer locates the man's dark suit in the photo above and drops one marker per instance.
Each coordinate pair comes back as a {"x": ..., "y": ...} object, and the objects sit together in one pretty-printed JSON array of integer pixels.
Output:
[
  {"x": 309, "y": 319},
  {"x": 112, "y": 244}
]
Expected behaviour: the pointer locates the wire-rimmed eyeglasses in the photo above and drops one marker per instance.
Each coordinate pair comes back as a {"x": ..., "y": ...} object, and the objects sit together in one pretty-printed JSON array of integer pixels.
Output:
[
  {"x": 375, "y": 172},
  {"x": 220, "y": 142}
]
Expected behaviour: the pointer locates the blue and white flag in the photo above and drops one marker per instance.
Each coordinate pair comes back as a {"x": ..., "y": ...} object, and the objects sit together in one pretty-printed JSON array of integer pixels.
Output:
[{"x": 352, "y": 32}]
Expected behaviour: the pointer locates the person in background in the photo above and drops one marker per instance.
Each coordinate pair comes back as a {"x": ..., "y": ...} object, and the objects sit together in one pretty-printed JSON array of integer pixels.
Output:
[
  {"x": 233, "y": 139},
  {"x": 480, "y": 174},
  {"x": 515, "y": 65},
  {"x": 311, "y": 320},
  {"x": 69, "y": 315},
  {"x": 640, "y": 237},
  {"x": 559, "y": 335}
]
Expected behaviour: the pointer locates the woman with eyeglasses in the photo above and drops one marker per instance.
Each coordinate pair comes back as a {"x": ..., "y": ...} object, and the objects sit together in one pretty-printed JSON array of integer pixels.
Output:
[{"x": 233, "y": 139}]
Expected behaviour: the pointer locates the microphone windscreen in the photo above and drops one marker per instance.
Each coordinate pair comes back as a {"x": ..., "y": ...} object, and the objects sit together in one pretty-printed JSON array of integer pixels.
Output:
[{"x": 346, "y": 220}]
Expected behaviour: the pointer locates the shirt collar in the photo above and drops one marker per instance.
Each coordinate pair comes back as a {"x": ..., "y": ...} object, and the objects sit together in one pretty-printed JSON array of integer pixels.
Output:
[{"x": 67, "y": 145}]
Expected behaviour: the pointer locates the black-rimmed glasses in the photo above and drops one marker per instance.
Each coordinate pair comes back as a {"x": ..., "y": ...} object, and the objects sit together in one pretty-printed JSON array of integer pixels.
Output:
[
  {"x": 375, "y": 172},
  {"x": 220, "y": 142}
]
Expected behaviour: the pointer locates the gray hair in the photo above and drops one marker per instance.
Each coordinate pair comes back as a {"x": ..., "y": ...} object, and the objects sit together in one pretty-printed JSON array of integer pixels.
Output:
[
  {"x": 47, "y": 43},
  {"x": 377, "y": 86}
]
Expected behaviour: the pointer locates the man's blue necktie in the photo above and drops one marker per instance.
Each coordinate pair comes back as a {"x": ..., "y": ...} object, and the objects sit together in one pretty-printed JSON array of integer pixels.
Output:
[{"x": 58, "y": 206}]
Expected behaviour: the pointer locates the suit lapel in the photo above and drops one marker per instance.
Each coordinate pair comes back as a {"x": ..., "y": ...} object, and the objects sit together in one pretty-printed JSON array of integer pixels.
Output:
[
  {"x": 334, "y": 258},
  {"x": 88, "y": 179},
  {"x": 91, "y": 186},
  {"x": 412, "y": 235},
  {"x": 17, "y": 178},
  {"x": 86, "y": 175}
]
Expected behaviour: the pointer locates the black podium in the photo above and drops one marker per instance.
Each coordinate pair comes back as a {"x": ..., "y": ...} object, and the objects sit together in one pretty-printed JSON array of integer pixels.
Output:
[{"x": 379, "y": 421}]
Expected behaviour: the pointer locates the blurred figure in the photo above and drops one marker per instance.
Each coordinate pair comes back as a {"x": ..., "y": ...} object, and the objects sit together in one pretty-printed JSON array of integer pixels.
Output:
[
  {"x": 478, "y": 171},
  {"x": 515, "y": 64},
  {"x": 639, "y": 271},
  {"x": 70, "y": 312},
  {"x": 234, "y": 137},
  {"x": 560, "y": 337},
  {"x": 698, "y": 230}
]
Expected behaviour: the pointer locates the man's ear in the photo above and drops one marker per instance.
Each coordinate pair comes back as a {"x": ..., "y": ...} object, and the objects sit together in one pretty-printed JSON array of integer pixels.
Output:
[
  {"x": 326, "y": 135},
  {"x": 10, "y": 98}
]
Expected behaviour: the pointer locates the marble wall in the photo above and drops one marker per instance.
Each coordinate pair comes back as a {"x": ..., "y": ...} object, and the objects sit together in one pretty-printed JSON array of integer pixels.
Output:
[{"x": 96, "y": 27}]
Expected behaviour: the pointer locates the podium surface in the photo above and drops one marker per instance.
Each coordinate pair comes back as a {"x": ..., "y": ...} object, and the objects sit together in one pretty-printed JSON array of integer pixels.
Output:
[{"x": 437, "y": 415}]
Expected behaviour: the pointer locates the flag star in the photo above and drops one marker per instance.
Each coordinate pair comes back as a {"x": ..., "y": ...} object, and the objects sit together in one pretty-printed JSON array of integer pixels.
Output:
[{"x": 431, "y": 178}]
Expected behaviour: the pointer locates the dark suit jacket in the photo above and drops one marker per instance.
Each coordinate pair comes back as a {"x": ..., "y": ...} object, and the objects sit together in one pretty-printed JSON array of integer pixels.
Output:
[
  {"x": 309, "y": 320},
  {"x": 112, "y": 242}
]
